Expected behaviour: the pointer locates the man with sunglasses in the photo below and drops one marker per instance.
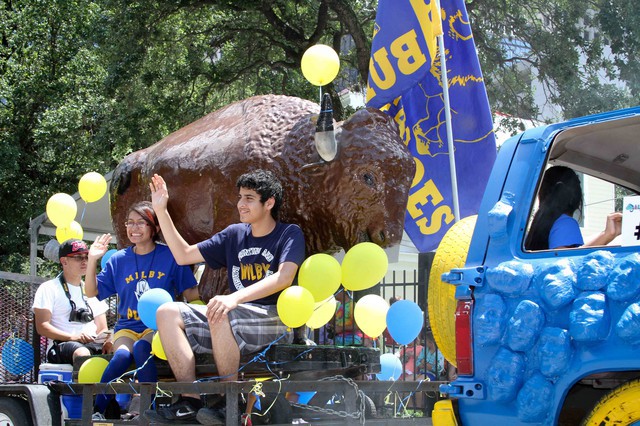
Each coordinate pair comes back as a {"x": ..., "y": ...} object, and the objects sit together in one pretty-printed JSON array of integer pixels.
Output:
[{"x": 64, "y": 314}]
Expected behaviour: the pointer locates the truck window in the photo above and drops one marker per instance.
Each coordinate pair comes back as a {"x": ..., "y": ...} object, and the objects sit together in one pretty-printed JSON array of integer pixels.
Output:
[
  {"x": 590, "y": 169},
  {"x": 575, "y": 209}
]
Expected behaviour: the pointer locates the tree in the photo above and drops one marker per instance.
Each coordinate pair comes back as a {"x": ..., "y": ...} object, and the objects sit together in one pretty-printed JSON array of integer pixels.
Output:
[
  {"x": 83, "y": 83},
  {"x": 255, "y": 47},
  {"x": 196, "y": 56},
  {"x": 49, "y": 110},
  {"x": 558, "y": 43},
  {"x": 619, "y": 21}
]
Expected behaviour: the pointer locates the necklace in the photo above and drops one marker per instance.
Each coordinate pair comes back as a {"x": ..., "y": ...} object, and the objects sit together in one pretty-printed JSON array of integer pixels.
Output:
[{"x": 143, "y": 284}]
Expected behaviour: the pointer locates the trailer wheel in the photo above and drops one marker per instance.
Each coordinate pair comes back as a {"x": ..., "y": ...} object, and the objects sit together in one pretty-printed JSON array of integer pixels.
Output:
[
  {"x": 278, "y": 413},
  {"x": 370, "y": 411},
  {"x": 618, "y": 407},
  {"x": 14, "y": 412},
  {"x": 451, "y": 253}
]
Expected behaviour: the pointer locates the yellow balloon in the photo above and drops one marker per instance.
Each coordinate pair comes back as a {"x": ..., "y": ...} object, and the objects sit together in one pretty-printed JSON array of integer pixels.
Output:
[
  {"x": 295, "y": 306},
  {"x": 92, "y": 187},
  {"x": 321, "y": 275},
  {"x": 370, "y": 314},
  {"x": 61, "y": 209},
  {"x": 320, "y": 64},
  {"x": 197, "y": 302},
  {"x": 322, "y": 312},
  {"x": 74, "y": 230},
  {"x": 156, "y": 347},
  {"x": 364, "y": 266},
  {"x": 91, "y": 370}
]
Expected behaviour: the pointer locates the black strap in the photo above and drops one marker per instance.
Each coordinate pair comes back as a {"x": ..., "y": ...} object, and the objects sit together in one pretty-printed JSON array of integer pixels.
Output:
[{"x": 65, "y": 287}]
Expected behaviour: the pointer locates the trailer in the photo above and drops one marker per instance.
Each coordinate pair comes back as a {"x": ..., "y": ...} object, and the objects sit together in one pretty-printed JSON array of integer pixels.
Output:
[{"x": 342, "y": 377}]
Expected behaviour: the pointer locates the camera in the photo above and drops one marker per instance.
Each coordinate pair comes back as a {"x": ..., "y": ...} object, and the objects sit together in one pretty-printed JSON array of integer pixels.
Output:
[{"x": 80, "y": 315}]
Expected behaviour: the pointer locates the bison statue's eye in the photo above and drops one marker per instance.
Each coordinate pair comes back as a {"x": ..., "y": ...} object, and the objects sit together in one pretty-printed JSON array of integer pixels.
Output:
[{"x": 369, "y": 179}]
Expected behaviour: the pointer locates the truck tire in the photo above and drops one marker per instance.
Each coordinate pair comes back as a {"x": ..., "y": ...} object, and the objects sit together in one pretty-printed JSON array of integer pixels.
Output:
[
  {"x": 451, "y": 253},
  {"x": 14, "y": 412},
  {"x": 621, "y": 406}
]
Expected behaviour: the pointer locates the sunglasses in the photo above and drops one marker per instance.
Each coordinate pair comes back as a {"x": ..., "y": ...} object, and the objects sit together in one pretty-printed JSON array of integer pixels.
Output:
[{"x": 79, "y": 258}]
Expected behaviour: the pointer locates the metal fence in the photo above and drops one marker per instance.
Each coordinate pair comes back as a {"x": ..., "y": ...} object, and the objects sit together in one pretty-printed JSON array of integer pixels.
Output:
[
  {"x": 17, "y": 332},
  {"x": 407, "y": 285},
  {"x": 22, "y": 349},
  {"x": 420, "y": 360},
  {"x": 402, "y": 285}
]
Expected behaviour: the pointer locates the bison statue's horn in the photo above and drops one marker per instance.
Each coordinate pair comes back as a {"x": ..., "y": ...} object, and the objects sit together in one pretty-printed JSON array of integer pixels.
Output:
[{"x": 325, "y": 137}]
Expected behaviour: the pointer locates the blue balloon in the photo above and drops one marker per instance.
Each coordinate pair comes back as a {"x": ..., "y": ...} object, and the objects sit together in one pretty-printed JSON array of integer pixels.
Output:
[
  {"x": 149, "y": 303},
  {"x": 17, "y": 356},
  {"x": 105, "y": 258},
  {"x": 404, "y": 321},
  {"x": 390, "y": 367}
]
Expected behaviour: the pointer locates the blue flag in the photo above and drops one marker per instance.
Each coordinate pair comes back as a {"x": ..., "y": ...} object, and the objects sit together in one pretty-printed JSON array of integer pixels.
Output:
[{"x": 405, "y": 81}]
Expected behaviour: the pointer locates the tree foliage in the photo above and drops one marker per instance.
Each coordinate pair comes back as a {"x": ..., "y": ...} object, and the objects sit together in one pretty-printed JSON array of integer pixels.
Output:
[
  {"x": 560, "y": 44},
  {"x": 50, "y": 107},
  {"x": 620, "y": 23},
  {"x": 83, "y": 83}
]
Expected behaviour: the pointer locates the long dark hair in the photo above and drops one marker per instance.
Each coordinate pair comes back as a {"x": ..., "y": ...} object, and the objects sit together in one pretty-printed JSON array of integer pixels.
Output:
[{"x": 560, "y": 193}]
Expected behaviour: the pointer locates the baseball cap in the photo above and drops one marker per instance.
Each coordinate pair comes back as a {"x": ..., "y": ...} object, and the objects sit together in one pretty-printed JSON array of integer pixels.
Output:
[{"x": 71, "y": 248}]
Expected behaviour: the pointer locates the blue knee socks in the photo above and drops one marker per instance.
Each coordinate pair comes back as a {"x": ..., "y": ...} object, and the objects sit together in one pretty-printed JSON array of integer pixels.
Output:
[
  {"x": 117, "y": 366},
  {"x": 141, "y": 354}
]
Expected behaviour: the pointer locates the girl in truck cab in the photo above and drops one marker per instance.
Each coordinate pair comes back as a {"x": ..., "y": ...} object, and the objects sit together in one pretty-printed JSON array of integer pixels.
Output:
[{"x": 553, "y": 225}]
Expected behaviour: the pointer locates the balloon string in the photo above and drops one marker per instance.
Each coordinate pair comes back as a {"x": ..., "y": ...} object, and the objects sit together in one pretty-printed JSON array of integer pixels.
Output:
[
  {"x": 324, "y": 302},
  {"x": 259, "y": 357},
  {"x": 83, "y": 210},
  {"x": 345, "y": 291},
  {"x": 320, "y": 88}
]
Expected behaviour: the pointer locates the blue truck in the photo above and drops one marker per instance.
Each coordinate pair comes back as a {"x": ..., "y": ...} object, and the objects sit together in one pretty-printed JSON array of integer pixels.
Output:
[{"x": 547, "y": 337}]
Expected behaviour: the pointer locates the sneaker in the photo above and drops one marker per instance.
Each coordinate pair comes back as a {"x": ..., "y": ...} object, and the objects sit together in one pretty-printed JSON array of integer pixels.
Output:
[
  {"x": 134, "y": 404},
  {"x": 184, "y": 410},
  {"x": 215, "y": 400},
  {"x": 210, "y": 416},
  {"x": 97, "y": 416},
  {"x": 133, "y": 410},
  {"x": 130, "y": 416},
  {"x": 112, "y": 412}
]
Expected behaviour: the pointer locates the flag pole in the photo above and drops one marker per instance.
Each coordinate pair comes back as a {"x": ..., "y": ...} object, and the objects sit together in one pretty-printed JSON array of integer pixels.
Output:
[{"x": 447, "y": 115}]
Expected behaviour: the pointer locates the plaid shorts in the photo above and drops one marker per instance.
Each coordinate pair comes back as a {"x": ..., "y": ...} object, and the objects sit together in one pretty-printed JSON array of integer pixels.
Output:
[{"x": 254, "y": 327}]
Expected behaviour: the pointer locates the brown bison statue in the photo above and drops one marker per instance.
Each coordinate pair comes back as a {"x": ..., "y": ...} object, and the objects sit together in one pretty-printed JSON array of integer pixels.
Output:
[{"x": 361, "y": 195}]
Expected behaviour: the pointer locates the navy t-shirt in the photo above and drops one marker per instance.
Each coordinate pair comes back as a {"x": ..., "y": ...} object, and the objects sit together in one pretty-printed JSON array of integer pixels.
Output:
[{"x": 249, "y": 259}]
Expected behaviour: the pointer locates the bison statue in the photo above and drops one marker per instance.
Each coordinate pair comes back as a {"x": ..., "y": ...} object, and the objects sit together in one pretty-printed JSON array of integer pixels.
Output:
[{"x": 361, "y": 195}]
